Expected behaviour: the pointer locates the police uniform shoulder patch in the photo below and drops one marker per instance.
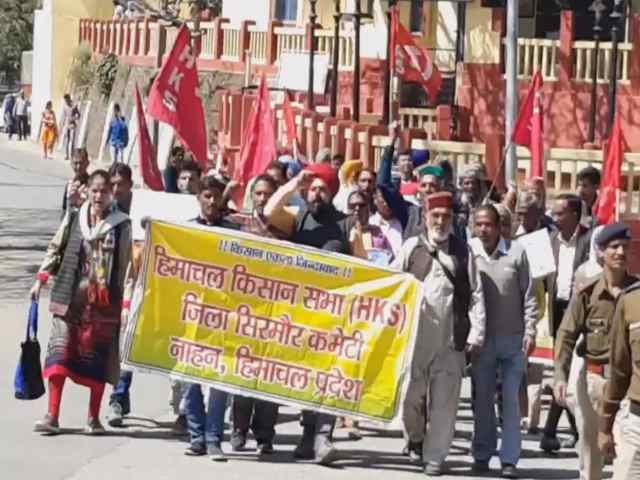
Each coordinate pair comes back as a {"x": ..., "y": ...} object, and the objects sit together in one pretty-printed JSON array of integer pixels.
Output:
[
  {"x": 585, "y": 284},
  {"x": 633, "y": 287}
]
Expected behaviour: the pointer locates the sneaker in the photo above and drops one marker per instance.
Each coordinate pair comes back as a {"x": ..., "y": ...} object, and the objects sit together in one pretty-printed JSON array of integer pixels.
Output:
[
  {"x": 265, "y": 448},
  {"x": 324, "y": 450},
  {"x": 196, "y": 450},
  {"x": 48, "y": 425},
  {"x": 115, "y": 416},
  {"x": 94, "y": 427},
  {"x": 215, "y": 452},
  {"x": 549, "y": 444},
  {"x": 509, "y": 471},
  {"x": 480, "y": 467},
  {"x": 180, "y": 426},
  {"x": 569, "y": 442},
  {"x": 238, "y": 441},
  {"x": 415, "y": 451},
  {"x": 433, "y": 469}
]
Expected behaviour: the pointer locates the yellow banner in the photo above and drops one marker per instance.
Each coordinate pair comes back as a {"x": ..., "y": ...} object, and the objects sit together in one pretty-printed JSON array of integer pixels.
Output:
[{"x": 273, "y": 320}]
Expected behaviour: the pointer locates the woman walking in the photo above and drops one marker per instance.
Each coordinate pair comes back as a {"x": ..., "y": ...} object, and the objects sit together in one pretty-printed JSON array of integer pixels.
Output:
[
  {"x": 89, "y": 256},
  {"x": 49, "y": 130}
]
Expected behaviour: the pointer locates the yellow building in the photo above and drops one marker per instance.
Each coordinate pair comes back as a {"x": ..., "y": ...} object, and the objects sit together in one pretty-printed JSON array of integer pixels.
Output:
[{"x": 56, "y": 33}]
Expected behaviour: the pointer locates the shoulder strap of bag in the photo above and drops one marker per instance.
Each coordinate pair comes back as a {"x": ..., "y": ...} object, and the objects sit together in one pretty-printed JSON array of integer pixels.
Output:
[
  {"x": 434, "y": 254},
  {"x": 32, "y": 322}
]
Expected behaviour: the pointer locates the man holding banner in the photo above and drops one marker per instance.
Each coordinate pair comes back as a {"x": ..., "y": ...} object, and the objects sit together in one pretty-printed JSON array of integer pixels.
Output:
[
  {"x": 318, "y": 225},
  {"x": 248, "y": 412},
  {"x": 452, "y": 320},
  {"x": 206, "y": 430}
]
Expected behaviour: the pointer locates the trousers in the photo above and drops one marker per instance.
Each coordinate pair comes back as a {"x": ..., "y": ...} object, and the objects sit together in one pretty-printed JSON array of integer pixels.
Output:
[
  {"x": 68, "y": 141},
  {"x": 431, "y": 404},
  {"x": 117, "y": 154},
  {"x": 206, "y": 425},
  {"x": 585, "y": 392},
  {"x": 23, "y": 126},
  {"x": 120, "y": 393},
  {"x": 627, "y": 465},
  {"x": 555, "y": 410},
  {"x": 499, "y": 354},
  {"x": 259, "y": 415}
]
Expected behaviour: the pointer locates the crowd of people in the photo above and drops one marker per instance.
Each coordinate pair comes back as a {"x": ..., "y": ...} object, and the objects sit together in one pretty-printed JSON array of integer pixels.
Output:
[{"x": 481, "y": 311}]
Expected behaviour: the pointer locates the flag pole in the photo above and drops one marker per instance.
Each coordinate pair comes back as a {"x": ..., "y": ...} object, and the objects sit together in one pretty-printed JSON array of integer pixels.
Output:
[{"x": 500, "y": 167}]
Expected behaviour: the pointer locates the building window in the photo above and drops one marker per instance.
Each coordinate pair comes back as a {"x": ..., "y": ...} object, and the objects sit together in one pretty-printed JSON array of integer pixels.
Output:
[
  {"x": 286, "y": 10},
  {"x": 416, "y": 19}
]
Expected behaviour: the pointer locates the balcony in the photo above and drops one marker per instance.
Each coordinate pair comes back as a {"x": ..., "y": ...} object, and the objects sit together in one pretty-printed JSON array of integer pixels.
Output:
[{"x": 542, "y": 54}]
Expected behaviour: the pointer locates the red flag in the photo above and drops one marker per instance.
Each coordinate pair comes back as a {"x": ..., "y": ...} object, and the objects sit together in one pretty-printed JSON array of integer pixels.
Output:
[
  {"x": 410, "y": 62},
  {"x": 174, "y": 98},
  {"x": 289, "y": 121},
  {"x": 529, "y": 129},
  {"x": 150, "y": 173},
  {"x": 607, "y": 205},
  {"x": 258, "y": 148}
]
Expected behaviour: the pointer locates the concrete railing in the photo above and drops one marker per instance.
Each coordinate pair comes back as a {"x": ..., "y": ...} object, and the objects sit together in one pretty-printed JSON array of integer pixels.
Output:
[
  {"x": 231, "y": 43},
  {"x": 459, "y": 154},
  {"x": 563, "y": 165},
  {"x": 219, "y": 41},
  {"x": 290, "y": 39},
  {"x": 258, "y": 44},
  {"x": 420, "y": 118},
  {"x": 585, "y": 57},
  {"x": 538, "y": 54},
  {"x": 325, "y": 44},
  {"x": 209, "y": 41}
]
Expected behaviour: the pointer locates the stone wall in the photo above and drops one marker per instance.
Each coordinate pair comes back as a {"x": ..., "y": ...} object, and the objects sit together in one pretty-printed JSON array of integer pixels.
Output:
[{"x": 123, "y": 92}]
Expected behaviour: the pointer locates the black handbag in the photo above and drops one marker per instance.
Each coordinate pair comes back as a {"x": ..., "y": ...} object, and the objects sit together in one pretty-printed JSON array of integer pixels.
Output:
[{"x": 28, "y": 381}]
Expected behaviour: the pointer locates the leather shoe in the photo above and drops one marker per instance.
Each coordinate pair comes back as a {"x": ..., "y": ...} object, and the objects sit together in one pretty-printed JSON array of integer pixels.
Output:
[
  {"x": 480, "y": 467},
  {"x": 549, "y": 444},
  {"x": 509, "y": 471}
]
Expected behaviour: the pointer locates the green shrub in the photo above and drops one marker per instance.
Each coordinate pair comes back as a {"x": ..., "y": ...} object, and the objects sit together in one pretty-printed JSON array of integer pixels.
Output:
[
  {"x": 106, "y": 74},
  {"x": 82, "y": 68}
]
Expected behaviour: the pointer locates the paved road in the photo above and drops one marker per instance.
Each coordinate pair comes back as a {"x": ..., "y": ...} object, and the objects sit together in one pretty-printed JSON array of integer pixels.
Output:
[{"x": 30, "y": 191}]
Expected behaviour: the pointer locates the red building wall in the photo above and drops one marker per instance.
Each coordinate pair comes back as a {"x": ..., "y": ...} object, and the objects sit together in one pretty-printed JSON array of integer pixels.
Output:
[{"x": 567, "y": 103}]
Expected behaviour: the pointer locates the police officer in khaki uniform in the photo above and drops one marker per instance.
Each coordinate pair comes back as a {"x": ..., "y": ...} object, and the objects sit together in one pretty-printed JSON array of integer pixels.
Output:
[
  {"x": 624, "y": 381},
  {"x": 581, "y": 386}
]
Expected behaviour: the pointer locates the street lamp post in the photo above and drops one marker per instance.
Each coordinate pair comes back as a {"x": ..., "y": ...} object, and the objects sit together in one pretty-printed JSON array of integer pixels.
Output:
[
  {"x": 617, "y": 14},
  {"x": 511, "y": 101},
  {"x": 386, "y": 112},
  {"x": 356, "y": 66},
  {"x": 312, "y": 47},
  {"x": 597, "y": 7},
  {"x": 336, "y": 53}
]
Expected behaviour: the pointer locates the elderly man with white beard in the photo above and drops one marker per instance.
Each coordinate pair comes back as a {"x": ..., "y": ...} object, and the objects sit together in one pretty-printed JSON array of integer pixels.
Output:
[{"x": 452, "y": 322}]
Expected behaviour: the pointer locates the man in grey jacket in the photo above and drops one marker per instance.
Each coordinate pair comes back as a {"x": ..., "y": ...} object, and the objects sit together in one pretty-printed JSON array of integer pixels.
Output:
[{"x": 512, "y": 313}]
